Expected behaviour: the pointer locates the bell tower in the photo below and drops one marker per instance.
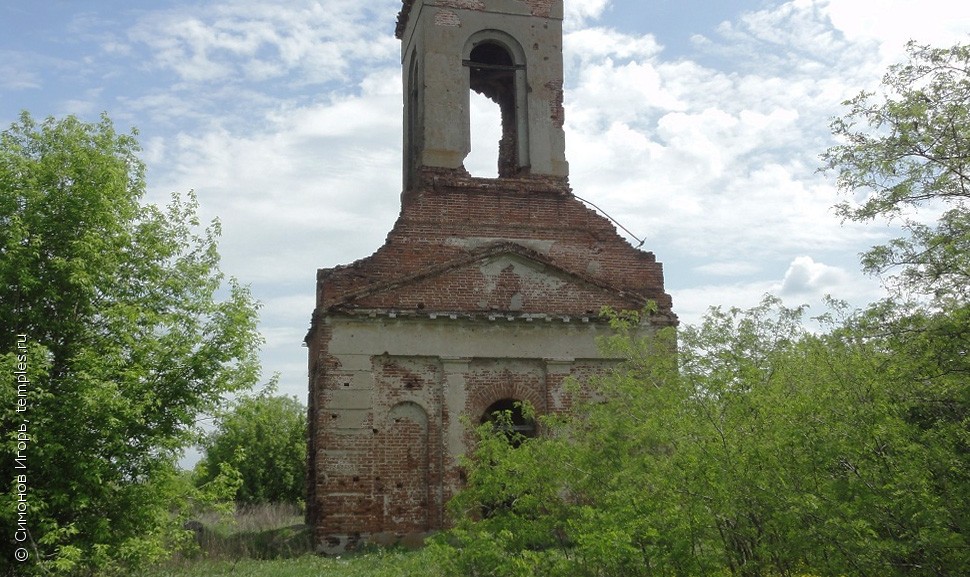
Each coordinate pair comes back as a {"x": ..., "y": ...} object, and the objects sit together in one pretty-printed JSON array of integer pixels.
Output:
[
  {"x": 510, "y": 51},
  {"x": 485, "y": 294}
]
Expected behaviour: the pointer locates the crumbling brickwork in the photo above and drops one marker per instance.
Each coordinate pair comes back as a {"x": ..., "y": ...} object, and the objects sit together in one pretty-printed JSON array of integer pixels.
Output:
[
  {"x": 541, "y": 8},
  {"x": 478, "y": 295},
  {"x": 486, "y": 292}
]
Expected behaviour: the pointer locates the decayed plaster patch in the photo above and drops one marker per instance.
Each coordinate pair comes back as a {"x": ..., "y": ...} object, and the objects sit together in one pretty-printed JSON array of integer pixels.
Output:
[
  {"x": 540, "y": 246},
  {"x": 528, "y": 275},
  {"x": 447, "y": 18}
]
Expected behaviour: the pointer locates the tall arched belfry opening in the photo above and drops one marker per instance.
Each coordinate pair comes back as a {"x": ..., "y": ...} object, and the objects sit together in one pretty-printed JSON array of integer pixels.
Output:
[{"x": 486, "y": 292}]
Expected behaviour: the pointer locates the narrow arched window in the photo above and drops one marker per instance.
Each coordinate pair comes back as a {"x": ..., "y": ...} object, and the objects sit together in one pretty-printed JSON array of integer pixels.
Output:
[
  {"x": 412, "y": 128},
  {"x": 496, "y": 74}
]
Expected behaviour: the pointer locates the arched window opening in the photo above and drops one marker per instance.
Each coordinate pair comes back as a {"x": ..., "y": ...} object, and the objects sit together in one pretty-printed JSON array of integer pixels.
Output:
[
  {"x": 413, "y": 138},
  {"x": 485, "y": 125},
  {"x": 508, "y": 417},
  {"x": 492, "y": 73}
]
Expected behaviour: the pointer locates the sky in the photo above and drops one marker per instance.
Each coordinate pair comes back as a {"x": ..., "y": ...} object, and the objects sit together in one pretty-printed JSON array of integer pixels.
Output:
[{"x": 697, "y": 124}]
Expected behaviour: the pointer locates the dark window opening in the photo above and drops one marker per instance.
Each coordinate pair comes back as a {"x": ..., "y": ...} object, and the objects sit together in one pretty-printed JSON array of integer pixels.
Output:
[
  {"x": 492, "y": 74},
  {"x": 507, "y": 416}
]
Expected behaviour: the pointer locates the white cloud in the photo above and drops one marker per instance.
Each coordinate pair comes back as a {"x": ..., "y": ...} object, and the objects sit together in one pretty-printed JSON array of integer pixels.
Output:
[
  {"x": 290, "y": 316},
  {"x": 164, "y": 108},
  {"x": 692, "y": 304},
  {"x": 696, "y": 154},
  {"x": 805, "y": 276},
  {"x": 805, "y": 282},
  {"x": 295, "y": 180},
  {"x": 255, "y": 41},
  {"x": 79, "y": 107},
  {"x": 589, "y": 44},
  {"x": 891, "y": 23},
  {"x": 486, "y": 131},
  {"x": 793, "y": 28},
  {"x": 729, "y": 268},
  {"x": 578, "y": 12},
  {"x": 713, "y": 159},
  {"x": 15, "y": 74}
]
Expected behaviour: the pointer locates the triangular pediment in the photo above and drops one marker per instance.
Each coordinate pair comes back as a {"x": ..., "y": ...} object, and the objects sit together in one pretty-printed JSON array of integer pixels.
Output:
[{"x": 502, "y": 277}]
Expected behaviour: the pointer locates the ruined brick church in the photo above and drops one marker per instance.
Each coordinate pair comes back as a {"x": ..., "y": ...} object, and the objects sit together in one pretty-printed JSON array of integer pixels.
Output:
[{"x": 486, "y": 292}]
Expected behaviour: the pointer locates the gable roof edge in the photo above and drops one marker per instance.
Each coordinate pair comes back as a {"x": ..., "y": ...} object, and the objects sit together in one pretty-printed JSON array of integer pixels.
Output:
[{"x": 493, "y": 249}]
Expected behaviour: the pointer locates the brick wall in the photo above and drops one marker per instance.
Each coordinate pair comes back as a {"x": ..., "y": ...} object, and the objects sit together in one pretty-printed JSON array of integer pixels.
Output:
[
  {"x": 452, "y": 207},
  {"x": 471, "y": 268}
]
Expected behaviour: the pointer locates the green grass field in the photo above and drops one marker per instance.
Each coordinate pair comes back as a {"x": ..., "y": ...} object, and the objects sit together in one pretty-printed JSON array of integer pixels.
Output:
[{"x": 380, "y": 564}]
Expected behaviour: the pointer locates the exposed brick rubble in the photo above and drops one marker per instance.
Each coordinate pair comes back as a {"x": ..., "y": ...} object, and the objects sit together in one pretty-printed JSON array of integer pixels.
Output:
[
  {"x": 536, "y": 8},
  {"x": 424, "y": 251},
  {"x": 402, "y": 18},
  {"x": 540, "y": 7}
]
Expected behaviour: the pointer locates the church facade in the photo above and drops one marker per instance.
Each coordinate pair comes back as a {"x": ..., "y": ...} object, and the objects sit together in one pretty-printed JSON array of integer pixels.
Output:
[{"x": 486, "y": 292}]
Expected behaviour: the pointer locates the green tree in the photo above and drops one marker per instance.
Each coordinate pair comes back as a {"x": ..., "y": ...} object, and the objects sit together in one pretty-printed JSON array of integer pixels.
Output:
[
  {"x": 761, "y": 448},
  {"x": 128, "y": 342},
  {"x": 905, "y": 148},
  {"x": 768, "y": 451},
  {"x": 264, "y": 439}
]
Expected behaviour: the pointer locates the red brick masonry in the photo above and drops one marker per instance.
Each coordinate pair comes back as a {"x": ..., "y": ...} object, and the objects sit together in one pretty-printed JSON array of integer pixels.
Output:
[{"x": 381, "y": 459}]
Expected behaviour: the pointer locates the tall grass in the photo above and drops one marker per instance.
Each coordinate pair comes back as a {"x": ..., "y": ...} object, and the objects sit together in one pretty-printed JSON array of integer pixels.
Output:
[
  {"x": 372, "y": 564},
  {"x": 272, "y": 541},
  {"x": 264, "y": 531}
]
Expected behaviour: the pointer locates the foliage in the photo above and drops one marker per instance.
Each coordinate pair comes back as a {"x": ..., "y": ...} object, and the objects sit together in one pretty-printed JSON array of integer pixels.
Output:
[
  {"x": 371, "y": 564},
  {"x": 128, "y": 342},
  {"x": 263, "y": 438},
  {"x": 761, "y": 448},
  {"x": 767, "y": 451},
  {"x": 909, "y": 148},
  {"x": 264, "y": 531},
  {"x": 909, "y": 152}
]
